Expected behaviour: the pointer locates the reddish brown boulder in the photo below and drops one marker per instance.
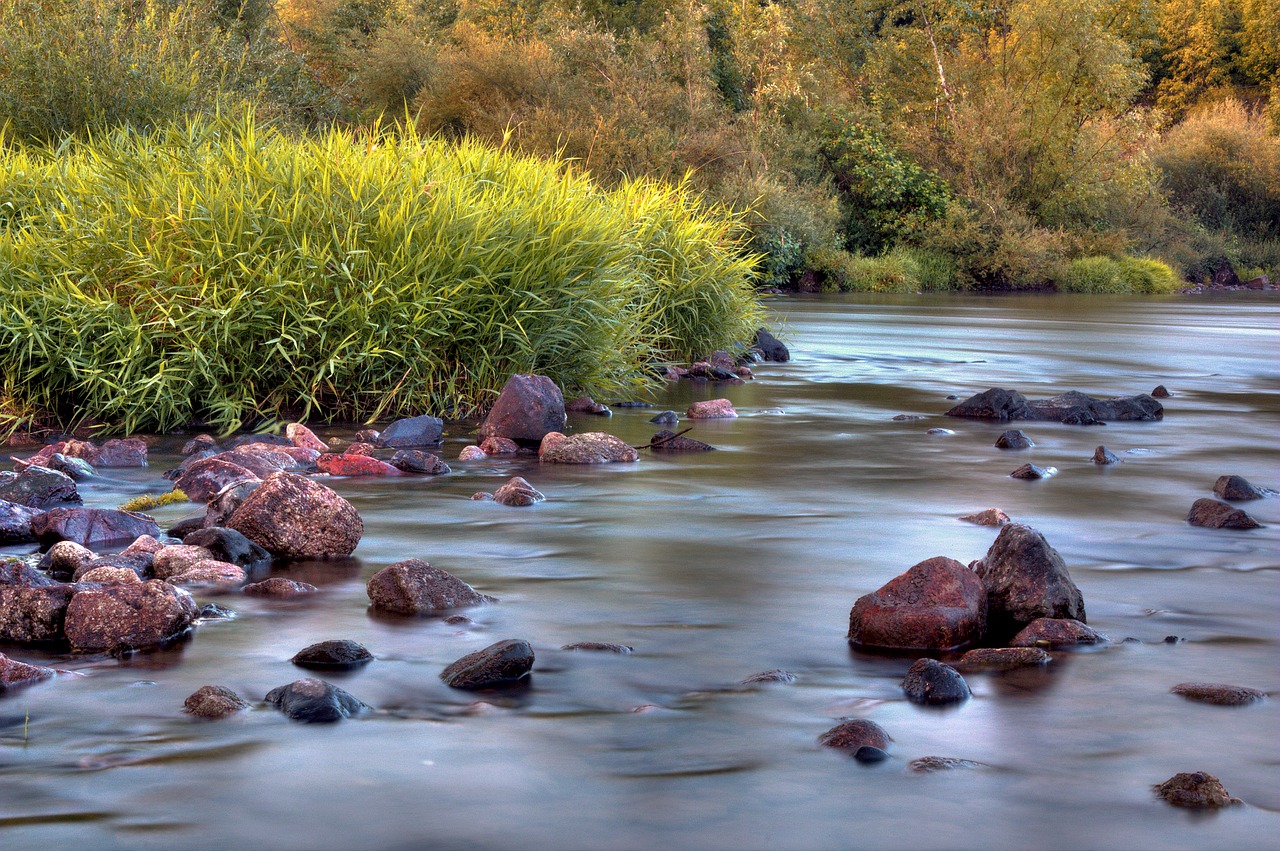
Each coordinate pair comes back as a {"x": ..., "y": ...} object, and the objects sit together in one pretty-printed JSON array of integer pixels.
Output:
[
  {"x": 527, "y": 409},
  {"x": 1236, "y": 489},
  {"x": 280, "y": 588},
  {"x": 107, "y": 574},
  {"x": 1195, "y": 790},
  {"x": 499, "y": 664},
  {"x": 1212, "y": 514},
  {"x": 359, "y": 448},
  {"x": 472, "y": 453},
  {"x": 937, "y": 604},
  {"x": 33, "y": 614},
  {"x": 65, "y": 559},
  {"x": 592, "y": 447},
  {"x": 517, "y": 492},
  {"x": 711, "y": 409},
  {"x": 499, "y": 446},
  {"x": 1056, "y": 632},
  {"x": 206, "y": 478},
  {"x": 1026, "y": 579},
  {"x": 92, "y": 527},
  {"x": 177, "y": 558},
  {"x": 292, "y": 516},
  {"x": 854, "y": 734},
  {"x": 300, "y": 435},
  {"x": 122, "y": 452},
  {"x": 14, "y": 673},
  {"x": 989, "y": 517},
  {"x": 127, "y": 617},
  {"x": 414, "y": 587},
  {"x": 259, "y": 459},
  {"x": 213, "y": 702},
  {"x": 1218, "y": 694},
  {"x": 354, "y": 465}
]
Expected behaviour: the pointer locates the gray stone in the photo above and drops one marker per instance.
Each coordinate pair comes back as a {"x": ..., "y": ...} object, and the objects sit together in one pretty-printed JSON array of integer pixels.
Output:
[
  {"x": 500, "y": 664},
  {"x": 412, "y": 431},
  {"x": 314, "y": 701},
  {"x": 414, "y": 587},
  {"x": 932, "y": 683},
  {"x": 1026, "y": 579}
]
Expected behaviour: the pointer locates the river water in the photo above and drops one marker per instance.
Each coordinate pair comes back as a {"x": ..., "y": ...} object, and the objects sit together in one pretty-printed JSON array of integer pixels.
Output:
[{"x": 717, "y": 566}]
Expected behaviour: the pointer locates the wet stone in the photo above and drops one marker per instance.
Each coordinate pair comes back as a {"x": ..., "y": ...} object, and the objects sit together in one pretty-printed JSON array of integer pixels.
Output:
[
  {"x": 300, "y": 435},
  {"x": 15, "y": 523},
  {"x": 289, "y": 515},
  {"x": 1218, "y": 694},
  {"x": 494, "y": 445},
  {"x": 1002, "y": 658},
  {"x": 938, "y": 603},
  {"x": 587, "y": 405},
  {"x": 930, "y": 764},
  {"x": 1026, "y": 579},
  {"x": 1032, "y": 472},
  {"x": 77, "y": 468},
  {"x": 122, "y": 617},
  {"x": 92, "y": 527},
  {"x": 499, "y": 664},
  {"x": 1014, "y": 438},
  {"x": 777, "y": 675},
  {"x": 1211, "y": 514},
  {"x": 213, "y": 702},
  {"x": 711, "y": 409},
  {"x": 1103, "y": 456},
  {"x": 33, "y": 614},
  {"x": 417, "y": 461},
  {"x": 65, "y": 558},
  {"x": 279, "y": 588},
  {"x": 1236, "y": 489},
  {"x": 14, "y": 673},
  {"x": 414, "y": 587},
  {"x": 39, "y": 487},
  {"x": 665, "y": 418},
  {"x": 109, "y": 575},
  {"x": 517, "y": 492},
  {"x": 668, "y": 441},
  {"x": 932, "y": 683},
  {"x": 528, "y": 408},
  {"x": 1196, "y": 790},
  {"x": 989, "y": 517},
  {"x": 412, "y": 431},
  {"x": 314, "y": 701},
  {"x": 214, "y": 612},
  {"x": 337, "y": 655},
  {"x": 229, "y": 545},
  {"x": 599, "y": 647},
  {"x": 1161, "y": 392},
  {"x": 354, "y": 465},
  {"x": 593, "y": 447},
  {"x": 1056, "y": 632},
  {"x": 856, "y": 733}
]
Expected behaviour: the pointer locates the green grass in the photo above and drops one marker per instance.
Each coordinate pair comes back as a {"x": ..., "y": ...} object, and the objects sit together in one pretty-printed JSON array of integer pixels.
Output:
[
  {"x": 218, "y": 271},
  {"x": 1116, "y": 275}
]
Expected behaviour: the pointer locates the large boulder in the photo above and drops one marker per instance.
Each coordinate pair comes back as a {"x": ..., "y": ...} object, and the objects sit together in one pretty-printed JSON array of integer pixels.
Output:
[
  {"x": 1212, "y": 514},
  {"x": 15, "y": 572},
  {"x": 412, "y": 431},
  {"x": 1072, "y": 407},
  {"x": 500, "y": 664},
  {"x": 1026, "y": 579},
  {"x": 528, "y": 408},
  {"x": 92, "y": 527},
  {"x": 206, "y": 478},
  {"x": 33, "y": 614},
  {"x": 176, "y": 559},
  {"x": 291, "y": 516},
  {"x": 592, "y": 447},
  {"x": 39, "y": 487},
  {"x": 15, "y": 523},
  {"x": 122, "y": 452},
  {"x": 770, "y": 347},
  {"x": 937, "y": 604},
  {"x": 994, "y": 404},
  {"x": 112, "y": 618},
  {"x": 315, "y": 701},
  {"x": 414, "y": 587}
]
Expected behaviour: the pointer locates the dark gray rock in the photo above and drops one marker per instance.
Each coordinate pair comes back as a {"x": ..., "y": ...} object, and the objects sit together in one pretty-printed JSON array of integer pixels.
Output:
[
  {"x": 15, "y": 523},
  {"x": 528, "y": 409},
  {"x": 668, "y": 441},
  {"x": 417, "y": 461},
  {"x": 14, "y": 572},
  {"x": 39, "y": 487},
  {"x": 1236, "y": 489},
  {"x": 1014, "y": 438},
  {"x": 587, "y": 405},
  {"x": 213, "y": 702},
  {"x": 500, "y": 664},
  {"x": 1196, "y": 790},
  {"x": 94, "y": 528},
  {"x": 314, "y": 701},
  {"x": 119, "y": 617},
  {"x": 599, "y": 647},
  {"x": 856, "y": 733},
  {"x": 77, "y": 468},
  {"x": 932, "y": 683},
  {"x": 339, "y": 655},
  {"x": 414, "y": 587},
  {"x": 1212, "y": 514},
  {"x": 665, "y": 418},
  {"x": 1026, "y": 579},
  {"x": 412, "y": 431},
  {"x": 199, "y": 443},
  {"x": 267, "y": 439},
  {"x": 291, "y": 516},
  {"x": 930, "y": 764},
  {"x": 1219, "y": 694},
  {"x": 994, "y": 404},
  {"x": 1031, "y": 472},
  {"x": 1073, "y": 408},
  {"x": 771, "y": 348},
  {"x": 1103, "y": 456},
  {"x": 230, "y": 546}
]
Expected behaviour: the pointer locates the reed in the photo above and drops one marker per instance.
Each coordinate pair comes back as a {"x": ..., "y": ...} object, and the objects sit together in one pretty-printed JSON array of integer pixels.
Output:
[{"x": 219, "y": 272}]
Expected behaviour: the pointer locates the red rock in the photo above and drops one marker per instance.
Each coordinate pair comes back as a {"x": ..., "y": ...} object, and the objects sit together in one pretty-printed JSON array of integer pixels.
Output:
[
  {"x": 592, "y": 447},
  {"x": 528, "y": 408},
  {"x": 990, "y": 517},
  {"x": 1056, "y": 632},
  {"x": 210, "y": 572},
  {"x": 360, "y": 449},
  {"x": 213, "y": 702},
  {"x": 414, "y": 587},
  {"x": 472, "y": 453},
  {"x": 143, "y": 545},
  {"x": 1212, "y": 514},
  {"x": 302, "y": 436},
  {"x": 854, "y": 734},
  {"x": 1002, "y": 658},
  {"x": 127, "y": 617},
  {"x": 499, "y": 446},
  {"x": 550, "y": 441},
  {"x": 205, "y": 479},
  {"x": 122, "y": 452},
  {"x": 92, "y": 527},
  {"x": 711, "y": 409},
  {"x": 937, "y": 604},
  {"x": 517, "y": 492},
  {"x": 354, "y": 465},
  {"x": 291, "y": 516},
  {"x": 14, "y": 673},
  {"x": 280, "y": 588},
  {"x": 110, "y": 574},
  {"x": 177, "y": 558},
  {"x": 31, "y": 614}
]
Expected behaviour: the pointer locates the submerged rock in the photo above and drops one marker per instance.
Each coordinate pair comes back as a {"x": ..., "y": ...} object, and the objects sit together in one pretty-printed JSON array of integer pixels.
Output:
[
  {"x": 587, "y": 405},
  {"x": 1026, "y": 579},
  {"x": 499, "y": 446},
  {"x": 314, "y": 701},
  {"x": 770, "y": 347},
  {"x": 517, "y": 492},
  {"x": 280, "y": 588},
  {"x": 989, "y": 517},
  {"x": 930, "y": 764},
  {"x": 592, "y": 447},
  {"x": 414, "y": 587},
  {"x": 499, "y": 664},
  {"x": 854, "y": 734},
  {"x": 1236, "y": 489},
  {"x": 1056, "y": 632},
  {"x": 528, "y": 408},
  {"x": 711, "y": 409},
  {"x": 932, "y": 683},
  {"x": 1073, "y": 408},
  {"x": 669, "y": 441},
  {"x": 777, "y": 675},
  {"x": 1014, "y": 438},
  {"x": 599, "y": 647},
  {"x": 122, "y": 617},
  {"x": 14, "y": 673},
  {"x": 1032, "y": 472},
  {"x": 39, "y": 487},
  {"x": 210, "y": 571},
  {"x": 1212, "y": 514},
  {"x": 92, "y": 527},
  {"x": 1002, "y": 658},
  {"x": 229, "y": 545},
  {"x": 417, "y": 461},
  {"x": 213, "y": 702},
  {"x": 292, "y": 516},
  {"x": 1218, "y": 694},
  {"x": 937, "y": 604},
  {"x": 1103, "y": 456},
  {"x": 341, "y": 655},
  {"x": 472, "y": 453},
  {"x": 77, "y": 468},
  {"x": 665, "y": 418},
  {"x": 1197, "y": 790}
]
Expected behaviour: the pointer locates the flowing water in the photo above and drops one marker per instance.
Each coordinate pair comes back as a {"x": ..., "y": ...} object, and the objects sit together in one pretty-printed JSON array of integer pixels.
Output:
[{"x": 717, "y": 566}]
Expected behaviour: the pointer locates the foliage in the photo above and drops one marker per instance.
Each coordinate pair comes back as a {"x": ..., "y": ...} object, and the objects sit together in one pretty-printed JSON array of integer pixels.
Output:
[
  {"x": 1116, "y": 275},
  {"x": 220, "y": 271},
  {"x": 148, "y": 501}
]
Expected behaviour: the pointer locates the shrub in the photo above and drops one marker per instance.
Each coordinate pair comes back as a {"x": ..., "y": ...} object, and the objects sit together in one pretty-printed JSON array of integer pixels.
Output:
[
  {"x": 1116, "y": 275},
  {"x": 220, "y": 271}
]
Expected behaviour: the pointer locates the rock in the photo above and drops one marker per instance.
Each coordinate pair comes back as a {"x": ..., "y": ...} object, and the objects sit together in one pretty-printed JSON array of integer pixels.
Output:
[
  {"x": 599, "y": 647},
  {"x": 1208, "y": 513},
  {"x": 777, "y": 675},
  {"x": 908, "y": 418},
  {"x": 354, "y": 465},
  {"x": 214, "y": 612},
  {"x": 711, "y": 409},
  {"x": 300, "y": 435},
  {"x": 144, "y": 544},
  {"x": 358, "y": 449},
  {"x": 314, "y": 701},
  {"x": 417, "y": 461},
  {"x": 77, "y": 468},
  {"x": 771, "y": 348},
  {"x": 14, "y": 572},
  {"x": 412, "y": 431},
  {"x": 499, "y": 446},
  {"x": 295, "y": 517},
  {"x": 528, "y": 408},
  {"x": 1102, "y": 455},
  {"x": 852, "y": 734},
  {"x": 368, "y": 435},
  {"x": 108, "y": 574},
  {"x": 517, "y": 492},
  {"x": 332, "y": 656},
  {"x": 14, "y": 673},
  {"x": 414, "y": 587},
  {"x": 592, "y": 447},
  {"x": 199, "y": 443},
  {"x": 262, "y": 461},
  {"x": 1026, "y": 579},
  {"x": 210, "y": 571},
  {"x": 1236, "y": 489},
  {"x": 1160, "y": 392},
  {"x": 472, "y": 453},
  {"x": 1056, "y": 632},
  {"x": 930, "y": 764},
  {"x": 139, "y": 563},
  {"x": 40, "y": 487},
  {"x": 989, "y": 517},
  {"x": 1071, "y": 407},
  {"x": 665, "y": 418},
  {"x": 994, "y": 404},
  {"x": 587, "y": 405},
  {"x": 667, "y": 441},
  {"x": 127, "y": 617},
  {"x": 268, "y": 439},
  {"x": 1014, "y": 438},
  {"x": 1002, "y": 658},
  {"x": 92, "y": 527},
  {"x": 940, "y": 431},
  {"x": 1031, "y": 471},
  {"x": 33, "y": 614},
  {"x": 177, "y": 558},
  {"x": 225, "y": 503},
  {"x": 1261, "y": 282},
  {"x": 229, "y": 545},
  {"x": 288, "y": 457},
  {"x": 122, "y": 452},
  {"x": 208, "y": 477},
  {"x": 744, "y": 372},
  {"x": 1196, "y": 790},
  {"x": 937, "y": 604},
  {"x": 213, "y": 702},
  {"x": 1218, "y": 694},
  {"x": 65, "y": 558},
  {"x": 15, "y": 523},
  {"x": 931, "y": 683},
  {"x": 499, "y": 664},
  {"x": 481, "y": 496},
  {"x": 280, "y": 588}
]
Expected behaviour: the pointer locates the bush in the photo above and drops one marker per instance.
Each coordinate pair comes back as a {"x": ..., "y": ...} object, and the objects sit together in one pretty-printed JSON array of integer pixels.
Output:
[
  {"x": 1130, "y": 275},
  {"x": 221, "y": 272}
]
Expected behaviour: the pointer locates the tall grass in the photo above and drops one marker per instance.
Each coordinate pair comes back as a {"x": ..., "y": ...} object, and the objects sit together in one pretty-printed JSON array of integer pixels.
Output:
[
  {"x": 1116, "y": 275},
  {"x": 219, "y": 272}
]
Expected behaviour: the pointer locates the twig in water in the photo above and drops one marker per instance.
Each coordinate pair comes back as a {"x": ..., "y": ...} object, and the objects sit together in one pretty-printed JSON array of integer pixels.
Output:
[{"x": 666, "y": 439}]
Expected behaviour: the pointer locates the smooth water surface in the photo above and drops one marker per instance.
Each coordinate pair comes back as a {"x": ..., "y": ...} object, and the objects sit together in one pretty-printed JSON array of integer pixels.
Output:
[{"x": 717, "y": 566}]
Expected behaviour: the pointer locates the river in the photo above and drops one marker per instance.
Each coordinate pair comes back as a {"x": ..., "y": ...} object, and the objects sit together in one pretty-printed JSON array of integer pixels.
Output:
[{"x": 717, "y": 566}]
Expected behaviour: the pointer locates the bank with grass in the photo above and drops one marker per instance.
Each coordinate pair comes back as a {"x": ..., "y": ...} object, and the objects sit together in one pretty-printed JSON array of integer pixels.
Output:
[{"x": 220, "y": 272}]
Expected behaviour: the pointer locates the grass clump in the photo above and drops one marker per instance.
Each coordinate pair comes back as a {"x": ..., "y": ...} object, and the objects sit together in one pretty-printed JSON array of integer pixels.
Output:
[
  {"x": 218, "y": 271},
  {"x": 148, "y": 501},
  {"x": 1116, "y": 275}
]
